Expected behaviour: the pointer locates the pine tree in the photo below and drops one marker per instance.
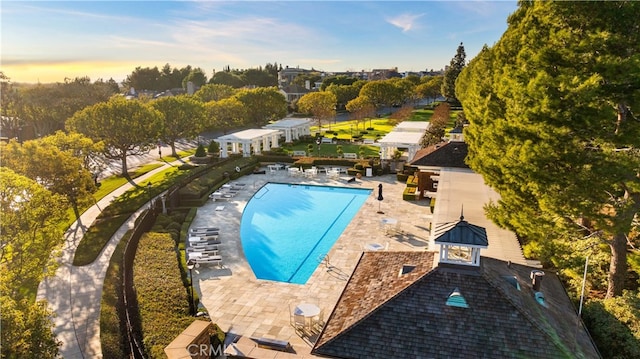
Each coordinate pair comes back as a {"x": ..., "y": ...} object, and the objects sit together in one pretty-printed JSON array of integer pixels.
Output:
[{"x": 451, "y": 74}]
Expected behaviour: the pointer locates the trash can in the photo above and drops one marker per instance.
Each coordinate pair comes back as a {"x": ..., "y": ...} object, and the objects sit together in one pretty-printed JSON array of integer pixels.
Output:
[{"x": 369, "y": 172}]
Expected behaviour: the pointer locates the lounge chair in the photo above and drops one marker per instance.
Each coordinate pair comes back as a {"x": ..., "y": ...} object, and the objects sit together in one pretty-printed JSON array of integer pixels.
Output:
[
  {"x": 210, "y": 260},
  {"x": 206, "y": 231},
  {"x": 205, "y": 247},
  {"x": 210, "y": 242},
  {"x": 203, "y": 255},
  {"x": 204, "y": 240}
]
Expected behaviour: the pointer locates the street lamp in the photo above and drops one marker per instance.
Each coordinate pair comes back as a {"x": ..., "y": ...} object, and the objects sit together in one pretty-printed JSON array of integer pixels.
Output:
[
  {"x": 191, "y": 263},
  {"x": 318, "y": 143}
]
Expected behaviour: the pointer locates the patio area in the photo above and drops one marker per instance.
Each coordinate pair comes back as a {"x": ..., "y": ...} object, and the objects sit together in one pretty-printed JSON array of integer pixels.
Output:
[{"x": 241, "y": 304}]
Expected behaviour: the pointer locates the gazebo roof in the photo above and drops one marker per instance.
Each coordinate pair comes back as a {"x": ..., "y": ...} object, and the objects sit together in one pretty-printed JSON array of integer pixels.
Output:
[
  {"x": 401, "y": 138},
  {"x": 248, "y": 135},
  {"x": 288, "y": 123},
  {"x": 412, "y": 126}
]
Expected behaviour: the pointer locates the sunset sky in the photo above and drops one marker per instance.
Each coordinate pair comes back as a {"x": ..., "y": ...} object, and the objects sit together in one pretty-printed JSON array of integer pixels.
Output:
[{"x": 48, "y": 41}]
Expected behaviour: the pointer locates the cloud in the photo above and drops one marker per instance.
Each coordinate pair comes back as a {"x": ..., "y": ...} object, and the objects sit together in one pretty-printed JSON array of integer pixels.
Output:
[{"x": 406, "y": 22}]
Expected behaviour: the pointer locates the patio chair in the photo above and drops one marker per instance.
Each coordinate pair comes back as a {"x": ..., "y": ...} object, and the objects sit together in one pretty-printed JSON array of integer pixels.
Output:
[
  {"x": 299, "y": 324},
  {"x": 318, "y": 321}
]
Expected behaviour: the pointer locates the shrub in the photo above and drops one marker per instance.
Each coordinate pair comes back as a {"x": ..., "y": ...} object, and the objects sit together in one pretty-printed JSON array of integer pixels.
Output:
[
  {"x": 614, "y": 325},
  {"x": 214, "y": 148},
  {"x": 409, "y": 194},
  {"x": 200, "y": 152},
  {"x": 412, "y": 181},
  {"x": 402, "y": 177},
  {"x": 163, "y": 301}
]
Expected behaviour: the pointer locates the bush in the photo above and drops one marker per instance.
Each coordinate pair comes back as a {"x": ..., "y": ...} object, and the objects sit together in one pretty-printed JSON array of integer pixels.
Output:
[
  {"x": 200, "y": 152},
  {"x": 409, "y": 194},
  {"x": 214, "y": 148},
  {"x": 412, "y": 181},
  {"x": 163, "y": 301},
  {"x": 614, "y": 325},
  {"x": 402, "y": 177}
]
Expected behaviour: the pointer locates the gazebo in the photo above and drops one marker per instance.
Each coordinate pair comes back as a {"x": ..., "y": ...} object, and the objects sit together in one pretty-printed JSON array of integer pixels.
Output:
[
  {"x": 292, "y": 128},
  {"x": 407, "y": 134},
  {"x": 399, "y": 139},
  {"x": 252, "y": 141}
]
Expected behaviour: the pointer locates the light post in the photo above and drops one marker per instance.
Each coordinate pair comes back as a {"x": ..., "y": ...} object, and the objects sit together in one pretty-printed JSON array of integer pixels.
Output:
[
  {"x": 318, "y": 143},
  {"x": 191, "y": 263}
]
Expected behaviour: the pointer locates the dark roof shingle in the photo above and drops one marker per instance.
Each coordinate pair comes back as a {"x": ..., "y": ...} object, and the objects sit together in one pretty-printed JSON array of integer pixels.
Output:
[{"x": 381, "y": 315}]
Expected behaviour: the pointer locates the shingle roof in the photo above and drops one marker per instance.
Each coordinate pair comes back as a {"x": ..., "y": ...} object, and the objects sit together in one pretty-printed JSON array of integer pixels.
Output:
[
  {"x": 382, "y": 315},
  {"x": 443, "y": 154}
]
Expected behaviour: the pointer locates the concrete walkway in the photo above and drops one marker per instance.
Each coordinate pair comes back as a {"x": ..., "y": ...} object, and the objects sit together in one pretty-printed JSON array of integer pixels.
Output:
[{"x": 74, "y": 293}]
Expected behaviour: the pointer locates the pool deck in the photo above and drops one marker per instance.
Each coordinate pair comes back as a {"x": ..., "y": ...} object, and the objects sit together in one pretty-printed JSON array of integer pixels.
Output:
[{"x": 240, "y": 303}]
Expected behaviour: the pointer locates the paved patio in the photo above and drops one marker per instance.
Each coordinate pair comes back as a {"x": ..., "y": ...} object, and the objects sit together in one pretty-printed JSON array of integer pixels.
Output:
[{"x": 244, "y": 305}]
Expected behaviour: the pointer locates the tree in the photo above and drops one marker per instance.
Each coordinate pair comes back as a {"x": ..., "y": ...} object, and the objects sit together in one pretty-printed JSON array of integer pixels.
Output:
[
  {"x": 45, "y": 108},
  {"x": 260, "y": 78},
  {"x": 343, "y": 93},
  {"x": 144, "y": 79},
  {"x": 30, "y": 234},
  {"x": 263, "y": 104},
  {"x": 195, "y": 76},
  {"x": 213, "y": 92},
  {"x": 57, "y": 170},
  {"x": 430, "y": 87},
  {"x": 301, "y": 79},
  {"x": 360, "y": 108},
  {"x": 227, "y": 78},
  {"x": 437, "y": 124},
  {"x": 27, "y": 330},
  {"x": 321, "y": 106},
  {"x": 559, "y": 141},
  {"x": 451, "y": 74},
  {"x": 226, "y": 113},
  {"x": 183, "y": 118},
  {"x": 81, "y": 147},
  {"x": 380, "y": 93},
  {"x": 126, "y": 127}
]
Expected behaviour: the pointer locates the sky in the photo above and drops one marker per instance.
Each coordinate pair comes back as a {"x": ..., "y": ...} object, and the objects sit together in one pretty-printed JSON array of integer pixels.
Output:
[{"x": 48, "y": 41}]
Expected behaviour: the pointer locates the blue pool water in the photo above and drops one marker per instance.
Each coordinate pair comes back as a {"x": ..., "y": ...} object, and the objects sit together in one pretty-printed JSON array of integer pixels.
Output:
[{"x": 286, "y": 228}]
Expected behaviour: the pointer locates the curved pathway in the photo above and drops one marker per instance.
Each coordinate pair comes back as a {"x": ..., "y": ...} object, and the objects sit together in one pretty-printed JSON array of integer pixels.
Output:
[{"x": 74, "y": 293}]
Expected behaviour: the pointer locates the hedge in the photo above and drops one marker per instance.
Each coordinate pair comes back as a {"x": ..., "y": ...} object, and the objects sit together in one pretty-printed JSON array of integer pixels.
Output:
[
  {"x": 163, "y": 302},
  {"x": 412, "y": 181},
  {"x": 409, "y": 194}
]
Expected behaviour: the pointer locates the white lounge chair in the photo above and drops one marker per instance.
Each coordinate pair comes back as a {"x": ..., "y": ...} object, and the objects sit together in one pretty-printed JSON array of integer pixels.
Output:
[{"x": 205, "y": 231}]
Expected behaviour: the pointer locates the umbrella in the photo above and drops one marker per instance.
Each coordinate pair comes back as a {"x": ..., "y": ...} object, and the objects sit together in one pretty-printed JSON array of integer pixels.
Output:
[{"x": 380, "y": 198}]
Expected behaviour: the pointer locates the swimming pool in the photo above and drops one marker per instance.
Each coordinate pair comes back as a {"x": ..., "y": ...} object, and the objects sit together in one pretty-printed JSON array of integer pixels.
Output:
[{"x": 287, "y": 228}]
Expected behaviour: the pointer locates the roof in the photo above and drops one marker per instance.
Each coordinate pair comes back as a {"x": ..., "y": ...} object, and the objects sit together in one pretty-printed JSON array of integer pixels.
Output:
[
  {"x": 461, "y": 232},
  {"x": 402, "y": 138},
  {"x": 247, "y": 135},
  {"x": 443, "y": 154},
  {"x": 381, "y": 314},
  {"x": 289, "y": 123},
  {"x": 416, "y": 126}
]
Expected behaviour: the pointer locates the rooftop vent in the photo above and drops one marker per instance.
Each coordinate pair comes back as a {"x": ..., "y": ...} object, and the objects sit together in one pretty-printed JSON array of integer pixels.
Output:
[
  {"x": 457, "y": 300},
  {"x": 536, "y": 279},
  {"x": 513, "y": 281},
  {"x": 540, "y": 299},
  {"x": 406, "y": 269}
]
